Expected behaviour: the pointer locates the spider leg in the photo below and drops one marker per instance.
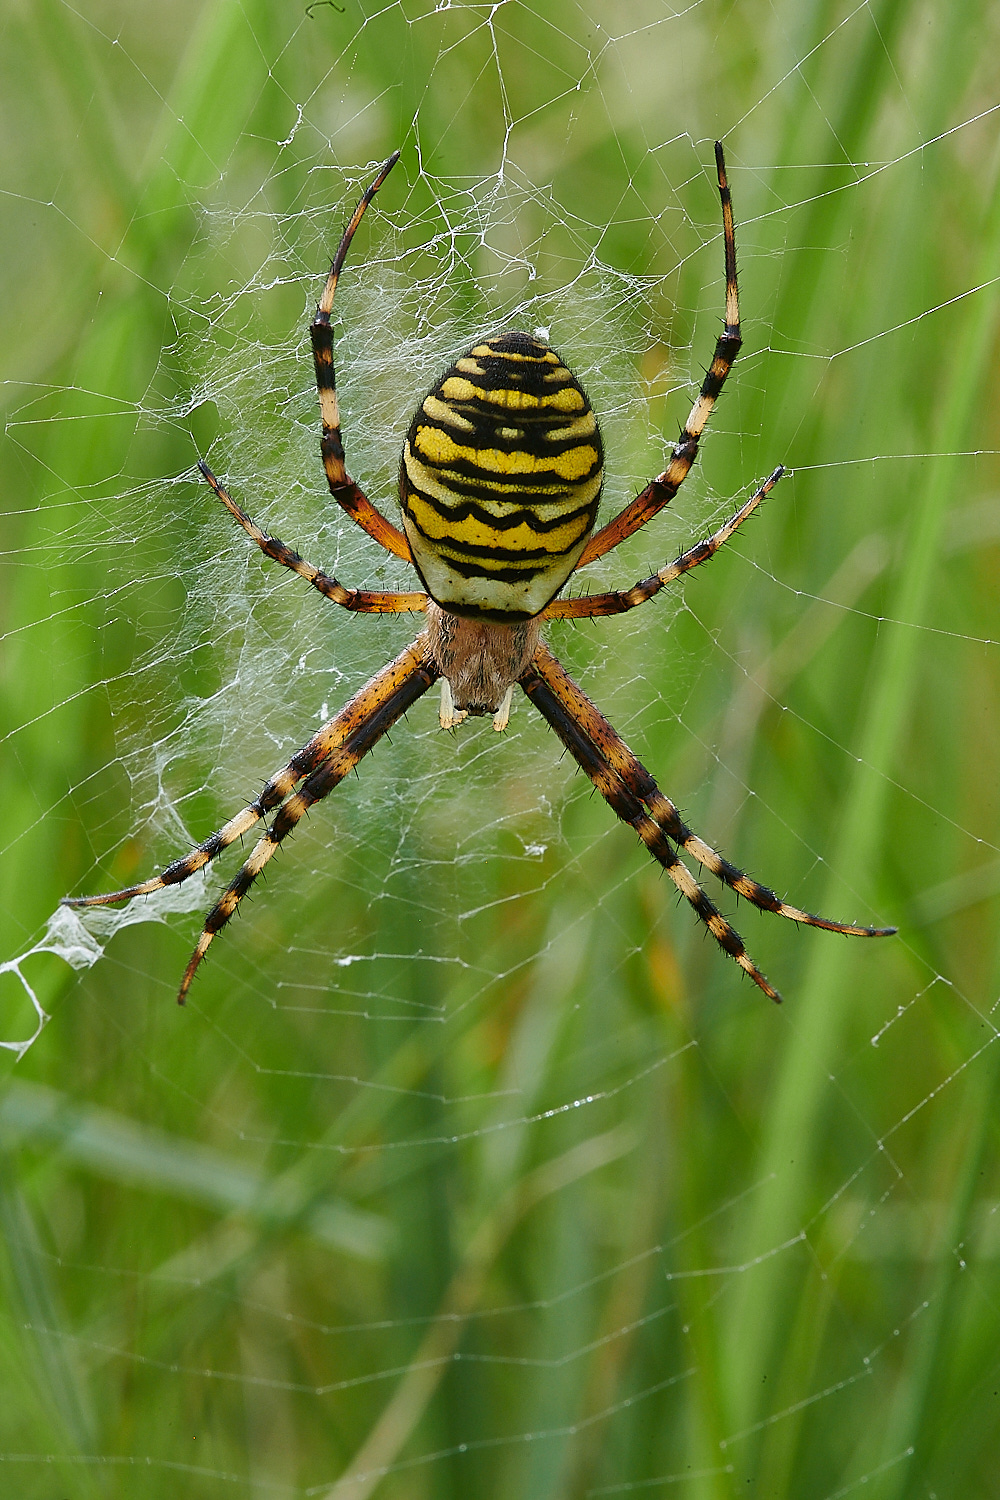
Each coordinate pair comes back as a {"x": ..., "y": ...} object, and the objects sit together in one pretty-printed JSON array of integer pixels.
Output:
[
  {"x": 662, "y": 490},
  {"x": 342, "y": 487},
  {"x": 413, "y": 672},
  {"x": 616, "y": 603},
  {"x": 325, "y": 760},
  {"x": 632, "y": 793},
  {"x": 361, "y": 600}
]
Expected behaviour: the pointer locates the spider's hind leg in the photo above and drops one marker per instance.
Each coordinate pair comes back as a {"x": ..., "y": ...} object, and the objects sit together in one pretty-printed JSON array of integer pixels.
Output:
[
  {"x": 342, "y": 487},
  {"x": 663, "y": 489}
]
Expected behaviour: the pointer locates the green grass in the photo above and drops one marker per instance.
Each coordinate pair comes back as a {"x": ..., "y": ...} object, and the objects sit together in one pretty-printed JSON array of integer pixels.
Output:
[{"x": 472, "y": 1166}]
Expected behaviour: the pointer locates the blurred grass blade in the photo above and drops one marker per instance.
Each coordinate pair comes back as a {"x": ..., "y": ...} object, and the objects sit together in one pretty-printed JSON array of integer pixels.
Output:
[
  {"x": 793, "y": 1127},
  {"x": 122, "y": 1151},
  {"x": 34, "y": 1302}
]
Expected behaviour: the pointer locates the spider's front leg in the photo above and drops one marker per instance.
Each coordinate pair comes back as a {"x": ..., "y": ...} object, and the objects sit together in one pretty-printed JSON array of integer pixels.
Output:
[
  {"x": 320, "y": 766},
  {"x": 631, "y": 792}
]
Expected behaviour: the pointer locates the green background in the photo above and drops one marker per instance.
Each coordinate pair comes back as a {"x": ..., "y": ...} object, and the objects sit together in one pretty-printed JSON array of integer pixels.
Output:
[{"x": 472, "y": 1166}]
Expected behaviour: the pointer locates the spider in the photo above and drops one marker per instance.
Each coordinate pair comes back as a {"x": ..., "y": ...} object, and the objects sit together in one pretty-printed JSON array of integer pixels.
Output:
[{"x": 499, "y": 484}]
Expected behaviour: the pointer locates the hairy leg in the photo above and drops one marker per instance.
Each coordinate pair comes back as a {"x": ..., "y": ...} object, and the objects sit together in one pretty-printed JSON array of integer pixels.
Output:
[
  {"x": 662, "y": 490},
  {"x": 328, "y": 757},
  {"x": 342, "y": 487},
  {"x": 586, "y": 606},
  {"x": 361, "y": 601},
  {"x": 633, "y": 795}
]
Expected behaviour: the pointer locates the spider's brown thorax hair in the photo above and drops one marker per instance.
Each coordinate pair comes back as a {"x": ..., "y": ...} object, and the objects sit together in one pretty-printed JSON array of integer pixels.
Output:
[
  {"x": 500, "y": 479},
  {"x": 479, "y": 658}
]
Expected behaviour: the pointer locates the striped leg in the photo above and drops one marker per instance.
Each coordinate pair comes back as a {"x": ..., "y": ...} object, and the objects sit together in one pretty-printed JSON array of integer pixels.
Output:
[
  {"x": 417, "y": 676},
  {"x": 334, "y": 751},
  {"x": 360, "y": 600},
  {"x": 662, "y": 490},
  {"x": 342, "y": 486},
  {"x": 588, "y": 605},
  {"x": 632, "y": 793}
]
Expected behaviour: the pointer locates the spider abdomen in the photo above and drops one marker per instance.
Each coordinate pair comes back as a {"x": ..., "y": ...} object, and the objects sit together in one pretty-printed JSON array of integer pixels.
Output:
[{"x": 500, "y": 479}]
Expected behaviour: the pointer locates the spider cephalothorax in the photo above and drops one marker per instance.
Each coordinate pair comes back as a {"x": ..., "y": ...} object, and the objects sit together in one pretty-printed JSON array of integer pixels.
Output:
[{"x": 500, "y": 480}]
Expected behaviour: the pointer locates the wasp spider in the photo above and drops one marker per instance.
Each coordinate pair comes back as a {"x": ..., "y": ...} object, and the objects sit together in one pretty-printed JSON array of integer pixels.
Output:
[{"x": 499, "y": 484}]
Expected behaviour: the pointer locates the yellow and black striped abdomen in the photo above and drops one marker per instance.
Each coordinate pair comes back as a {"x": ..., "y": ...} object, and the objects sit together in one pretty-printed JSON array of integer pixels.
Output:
[{"x": 500, "y": 479}]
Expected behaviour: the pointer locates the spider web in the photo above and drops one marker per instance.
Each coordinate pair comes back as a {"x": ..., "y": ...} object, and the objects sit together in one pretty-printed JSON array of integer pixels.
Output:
[{"x": 484, "y": 1170}]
